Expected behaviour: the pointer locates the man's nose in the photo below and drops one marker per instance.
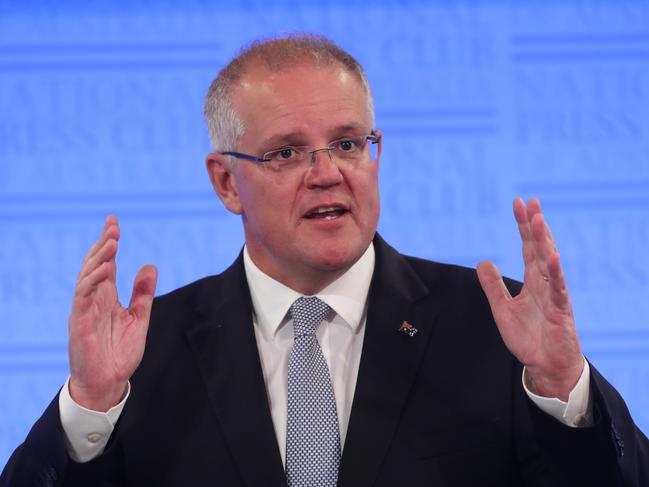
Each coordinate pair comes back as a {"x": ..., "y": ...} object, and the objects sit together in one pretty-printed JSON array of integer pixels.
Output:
[{"x": 323, "y": 170}]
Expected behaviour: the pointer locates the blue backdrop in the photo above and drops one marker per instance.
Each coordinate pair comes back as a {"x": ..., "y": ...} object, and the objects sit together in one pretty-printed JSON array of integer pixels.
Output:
[{"x": 100, "y": 112}]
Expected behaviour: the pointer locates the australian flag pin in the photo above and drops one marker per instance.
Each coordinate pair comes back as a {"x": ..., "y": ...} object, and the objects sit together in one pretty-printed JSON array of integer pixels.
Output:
[{"x": 408, "y": 329}]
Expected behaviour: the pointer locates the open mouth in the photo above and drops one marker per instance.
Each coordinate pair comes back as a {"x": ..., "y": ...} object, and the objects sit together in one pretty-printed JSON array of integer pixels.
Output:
[{"x": 326, "y": 213}]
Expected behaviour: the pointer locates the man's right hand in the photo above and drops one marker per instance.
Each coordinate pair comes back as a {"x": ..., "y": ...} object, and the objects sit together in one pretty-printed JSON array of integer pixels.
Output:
[{"x": 106, "y": 340}]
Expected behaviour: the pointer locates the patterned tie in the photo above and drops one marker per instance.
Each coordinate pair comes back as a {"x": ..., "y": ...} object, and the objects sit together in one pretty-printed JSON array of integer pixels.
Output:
[{"x": 312, "y": 437}]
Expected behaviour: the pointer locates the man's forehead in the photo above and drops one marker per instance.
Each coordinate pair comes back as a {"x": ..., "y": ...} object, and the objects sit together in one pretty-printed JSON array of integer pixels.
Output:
[
  {"x": 259, "y": 77},
  {"x": 272, "y": 95}
]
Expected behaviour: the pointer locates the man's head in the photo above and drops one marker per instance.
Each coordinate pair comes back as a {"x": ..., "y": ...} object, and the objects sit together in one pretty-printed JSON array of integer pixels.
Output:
[
  {"x": 307, "y": 226},
  {"x": 224, "y": 125}
]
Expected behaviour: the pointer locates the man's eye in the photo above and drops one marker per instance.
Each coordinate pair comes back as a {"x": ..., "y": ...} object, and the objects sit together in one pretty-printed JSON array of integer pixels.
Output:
[
  {"x": 285, "y": 154},
  {"x": 347, "y": 145}
]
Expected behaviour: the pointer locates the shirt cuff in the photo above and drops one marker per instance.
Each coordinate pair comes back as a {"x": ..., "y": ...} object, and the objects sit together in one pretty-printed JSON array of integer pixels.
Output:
[
  {"x": 577, "y": 412},
  {"x": 86, "y": 431}
]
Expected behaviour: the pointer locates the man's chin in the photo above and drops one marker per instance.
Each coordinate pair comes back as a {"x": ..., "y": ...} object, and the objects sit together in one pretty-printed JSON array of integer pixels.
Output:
[{"x": 336, "y": 258}]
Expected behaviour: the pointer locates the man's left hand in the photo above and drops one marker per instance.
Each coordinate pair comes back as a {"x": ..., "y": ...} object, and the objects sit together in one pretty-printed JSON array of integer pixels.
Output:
[{"x": 537, "y": 325}]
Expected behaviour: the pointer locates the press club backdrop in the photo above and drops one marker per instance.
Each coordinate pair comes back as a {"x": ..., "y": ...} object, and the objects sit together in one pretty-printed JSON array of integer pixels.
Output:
[{"x": 100, "y": 112}]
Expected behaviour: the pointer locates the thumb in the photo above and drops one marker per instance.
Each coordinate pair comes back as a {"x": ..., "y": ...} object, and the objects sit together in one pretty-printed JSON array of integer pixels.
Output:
[
  {"x": 493, "y": 286},
  {"x": 143, "y": 292}
]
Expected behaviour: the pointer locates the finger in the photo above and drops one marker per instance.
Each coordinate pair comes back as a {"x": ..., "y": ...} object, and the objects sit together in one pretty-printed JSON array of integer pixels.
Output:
[
  {"x": 557, "y": 282},
  {"x": 141, "y": 301},
  {"x": 110, "y": 230},
  {"x": 534, "y": 208},
  {"x": 143, "y": 292},
  {"x": 544, "y": 234},
  {"x": 520, "y": 213},
  {"x": 542, "y": 242},
  {"x": 493, "y": 286},
  {"x": 548, "y": 256},
  {"x": 105, "y": 249},
  {"x": 90, "y": 282},
  {"x": 105, "y": 254}
]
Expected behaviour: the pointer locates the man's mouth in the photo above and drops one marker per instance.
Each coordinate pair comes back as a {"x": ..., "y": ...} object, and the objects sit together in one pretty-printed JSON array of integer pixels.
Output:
[{"x": 326, "y": 213}]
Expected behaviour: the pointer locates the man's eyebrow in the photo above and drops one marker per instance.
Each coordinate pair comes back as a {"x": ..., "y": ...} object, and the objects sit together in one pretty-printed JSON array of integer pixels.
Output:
[
  {"x": 289, "y": 138},
  {"x": 354, "y": 128},
  {"x": 348, "y": 129},
  {"x": 300, "y": 138}
]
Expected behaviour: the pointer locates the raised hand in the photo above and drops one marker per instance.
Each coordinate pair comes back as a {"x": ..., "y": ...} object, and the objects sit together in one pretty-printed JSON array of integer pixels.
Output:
[
  {"x": 537, "y": 325},
  {"x": 106, "y": 340}
]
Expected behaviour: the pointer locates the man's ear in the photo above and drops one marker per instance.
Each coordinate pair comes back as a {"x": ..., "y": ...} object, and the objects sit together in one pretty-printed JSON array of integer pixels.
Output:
[{"x": 223, "y": 181}]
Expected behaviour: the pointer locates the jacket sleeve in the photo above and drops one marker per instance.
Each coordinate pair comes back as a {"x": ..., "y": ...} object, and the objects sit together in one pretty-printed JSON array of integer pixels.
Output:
[
  {"x": 613, "y": 452},
  {"x": 42, "y": 459}
]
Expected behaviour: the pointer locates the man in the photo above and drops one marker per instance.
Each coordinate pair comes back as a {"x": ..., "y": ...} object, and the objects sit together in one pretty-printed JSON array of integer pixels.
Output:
[{"x": 410, "y": 376}]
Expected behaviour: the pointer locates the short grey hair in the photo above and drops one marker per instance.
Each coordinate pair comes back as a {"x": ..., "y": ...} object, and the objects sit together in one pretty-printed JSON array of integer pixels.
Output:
[{"x": 224, "y": 124}]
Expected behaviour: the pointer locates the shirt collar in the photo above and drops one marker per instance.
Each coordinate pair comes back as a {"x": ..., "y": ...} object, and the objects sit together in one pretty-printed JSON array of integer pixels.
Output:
[{"x": 347, "y": 295}]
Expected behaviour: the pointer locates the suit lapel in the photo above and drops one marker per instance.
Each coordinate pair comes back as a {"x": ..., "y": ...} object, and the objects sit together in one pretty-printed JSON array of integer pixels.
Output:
[
  {"x": 224, "y": 346},
  {"x": 389, "y": 363},
  {"x": 223, "y": 343}
]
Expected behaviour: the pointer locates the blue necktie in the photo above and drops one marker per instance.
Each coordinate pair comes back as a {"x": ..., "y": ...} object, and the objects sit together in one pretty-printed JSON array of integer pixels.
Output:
[{"x": 312, "y": 437}]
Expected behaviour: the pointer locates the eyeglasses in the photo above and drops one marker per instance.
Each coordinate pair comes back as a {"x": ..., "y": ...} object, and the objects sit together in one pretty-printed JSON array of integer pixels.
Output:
[{"x": 349, "y": 150}]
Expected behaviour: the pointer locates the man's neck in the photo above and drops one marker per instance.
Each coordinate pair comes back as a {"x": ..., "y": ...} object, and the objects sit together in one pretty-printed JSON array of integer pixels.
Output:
[
  {"x": 308, "y": 281},
  {"x": 305, "y": 281}
]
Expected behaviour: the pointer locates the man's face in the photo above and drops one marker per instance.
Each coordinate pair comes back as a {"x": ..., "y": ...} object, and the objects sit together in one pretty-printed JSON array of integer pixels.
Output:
[{"x": 286, "y": 238}]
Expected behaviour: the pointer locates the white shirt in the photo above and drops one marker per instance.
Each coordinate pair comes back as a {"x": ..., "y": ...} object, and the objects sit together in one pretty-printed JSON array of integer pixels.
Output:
[{"x": 341, "y": 339}]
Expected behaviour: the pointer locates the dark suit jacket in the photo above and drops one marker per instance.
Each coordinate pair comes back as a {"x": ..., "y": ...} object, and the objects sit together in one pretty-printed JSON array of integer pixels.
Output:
[{"x": 444, "y": 407}]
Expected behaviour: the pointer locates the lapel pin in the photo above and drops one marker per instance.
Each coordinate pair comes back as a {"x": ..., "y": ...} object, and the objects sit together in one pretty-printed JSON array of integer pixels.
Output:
[{"x": 408, "y": 329}]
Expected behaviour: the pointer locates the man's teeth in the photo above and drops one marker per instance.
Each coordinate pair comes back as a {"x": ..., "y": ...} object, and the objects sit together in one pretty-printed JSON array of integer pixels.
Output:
[
  {"x": 324, "y": 210},
  {"x": 326, "y": 213}
]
